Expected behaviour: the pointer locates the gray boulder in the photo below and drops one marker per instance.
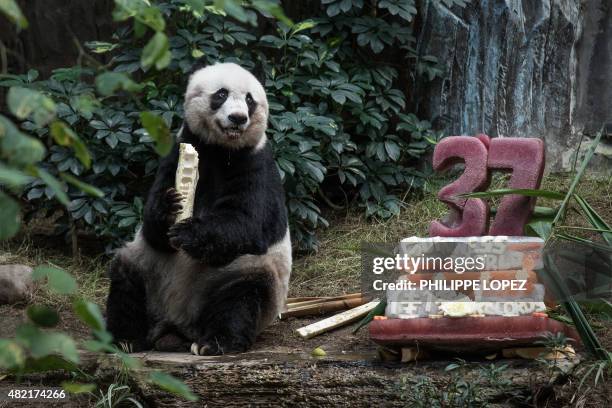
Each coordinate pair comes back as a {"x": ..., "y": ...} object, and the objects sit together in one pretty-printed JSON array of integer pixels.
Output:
[{"x": 15, "y": 283}]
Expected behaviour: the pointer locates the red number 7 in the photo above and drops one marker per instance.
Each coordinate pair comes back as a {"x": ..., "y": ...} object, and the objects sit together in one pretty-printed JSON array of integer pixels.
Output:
[{"x": 469, "y": 217}]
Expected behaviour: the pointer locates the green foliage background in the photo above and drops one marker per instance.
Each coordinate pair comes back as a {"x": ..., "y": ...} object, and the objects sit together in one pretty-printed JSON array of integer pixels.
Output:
[{"x": 337, "y": 83}]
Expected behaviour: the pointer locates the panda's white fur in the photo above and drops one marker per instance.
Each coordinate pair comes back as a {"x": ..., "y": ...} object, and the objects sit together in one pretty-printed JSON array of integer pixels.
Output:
[
  {"x": 222, "y": 276},
  {"x": 215, "y": 125}
]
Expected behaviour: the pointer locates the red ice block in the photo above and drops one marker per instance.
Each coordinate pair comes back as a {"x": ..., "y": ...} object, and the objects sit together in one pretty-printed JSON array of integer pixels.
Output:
[
  {"x": 468, "y": 217},
  {"x": 466, "y": 333},
  {"x": 471, "y": 221},
  {"x": 525, "y": 159}
]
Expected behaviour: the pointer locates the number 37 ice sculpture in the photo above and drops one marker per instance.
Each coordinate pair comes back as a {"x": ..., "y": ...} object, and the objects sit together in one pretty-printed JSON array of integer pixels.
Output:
[{"x": 523, "y": 157}]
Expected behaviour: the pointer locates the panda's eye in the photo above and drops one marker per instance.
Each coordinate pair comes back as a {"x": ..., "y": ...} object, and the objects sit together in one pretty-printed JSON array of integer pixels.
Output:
[
  {"x": 221, "y": 93},
  {"x": 218, "y": 98},
  {"x": 249, "y": 99}
]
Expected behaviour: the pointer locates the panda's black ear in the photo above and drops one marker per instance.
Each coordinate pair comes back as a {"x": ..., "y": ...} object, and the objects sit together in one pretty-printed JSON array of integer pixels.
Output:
[{"x": 199, "y": 64}]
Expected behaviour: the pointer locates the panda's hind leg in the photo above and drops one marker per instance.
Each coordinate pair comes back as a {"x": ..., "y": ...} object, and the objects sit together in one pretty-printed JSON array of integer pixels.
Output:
[
  {"x": 126, "y": 307},
  {"x": 233, "y": 313}
]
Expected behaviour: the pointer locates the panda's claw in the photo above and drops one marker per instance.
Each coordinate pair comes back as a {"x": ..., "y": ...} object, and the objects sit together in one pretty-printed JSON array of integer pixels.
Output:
[{"x": 195, "y": 350}]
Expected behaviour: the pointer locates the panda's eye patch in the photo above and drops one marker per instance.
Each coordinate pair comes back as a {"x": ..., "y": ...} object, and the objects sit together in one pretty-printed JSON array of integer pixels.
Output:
[
  {"x": 251, "y": 104},
  {"x": 218, "y": 98}
]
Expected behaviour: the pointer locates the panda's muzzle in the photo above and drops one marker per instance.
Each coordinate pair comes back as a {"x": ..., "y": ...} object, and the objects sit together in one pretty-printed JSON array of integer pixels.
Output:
[{"x": 234, "y": 131}]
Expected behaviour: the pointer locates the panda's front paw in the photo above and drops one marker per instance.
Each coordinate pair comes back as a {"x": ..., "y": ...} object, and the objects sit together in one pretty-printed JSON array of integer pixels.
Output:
[
  {"x": 171, "y": 205},
  {"x": 184, "y": 236},
  {"x": 217, "y": 346}
]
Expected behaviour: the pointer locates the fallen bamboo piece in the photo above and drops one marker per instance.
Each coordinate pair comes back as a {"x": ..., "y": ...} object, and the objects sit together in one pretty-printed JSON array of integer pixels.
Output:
[
  {"x": 338, "y": 320},
  {"x": 303, "y": 301},
  {"x": 323, "y": 307},
  {"x": 322, "y": 300}
]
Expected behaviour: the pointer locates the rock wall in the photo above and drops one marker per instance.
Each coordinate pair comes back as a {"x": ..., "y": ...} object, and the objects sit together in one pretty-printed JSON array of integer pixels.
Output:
[{"x": 531, "y": 68}]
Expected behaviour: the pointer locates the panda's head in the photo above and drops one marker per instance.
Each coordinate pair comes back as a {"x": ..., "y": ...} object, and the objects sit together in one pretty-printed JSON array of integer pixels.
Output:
[{"x": 226, "y": 105}]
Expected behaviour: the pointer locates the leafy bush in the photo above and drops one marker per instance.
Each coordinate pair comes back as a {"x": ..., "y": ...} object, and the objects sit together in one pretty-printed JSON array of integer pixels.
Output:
[{"x": 336, "y": 82}]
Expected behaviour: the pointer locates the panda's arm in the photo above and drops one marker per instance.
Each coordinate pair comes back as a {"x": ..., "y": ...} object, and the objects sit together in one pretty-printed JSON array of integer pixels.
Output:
[
  {"x": 161, "y": 204},
  {"x": 233, "y": 226}
]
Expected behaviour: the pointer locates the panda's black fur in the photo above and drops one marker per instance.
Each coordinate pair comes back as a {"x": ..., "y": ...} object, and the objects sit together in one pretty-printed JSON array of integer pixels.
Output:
[{"x": 218, "y": 278}]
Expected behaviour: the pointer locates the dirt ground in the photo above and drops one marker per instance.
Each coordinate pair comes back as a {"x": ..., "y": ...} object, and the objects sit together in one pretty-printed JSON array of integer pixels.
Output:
[{"x": 280, "y": 371}]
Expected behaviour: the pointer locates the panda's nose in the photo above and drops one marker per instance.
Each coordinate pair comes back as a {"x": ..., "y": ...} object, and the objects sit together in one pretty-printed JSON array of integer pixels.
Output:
[{"x": 237, "y": 119}]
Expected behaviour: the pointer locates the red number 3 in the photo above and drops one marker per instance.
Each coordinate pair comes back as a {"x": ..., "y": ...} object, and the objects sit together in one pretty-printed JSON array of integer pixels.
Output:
[{"x": 469, "y": 217}]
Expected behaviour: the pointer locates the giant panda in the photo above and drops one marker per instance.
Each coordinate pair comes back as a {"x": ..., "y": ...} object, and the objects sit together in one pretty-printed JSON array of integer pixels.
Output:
[{"x": 213, "y": 282}]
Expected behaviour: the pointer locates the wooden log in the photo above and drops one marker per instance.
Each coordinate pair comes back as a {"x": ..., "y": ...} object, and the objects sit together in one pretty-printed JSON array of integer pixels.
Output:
[{"x": 338, "y": 320}]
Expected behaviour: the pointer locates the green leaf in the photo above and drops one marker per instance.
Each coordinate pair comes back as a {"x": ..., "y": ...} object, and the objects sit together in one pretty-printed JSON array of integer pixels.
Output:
[
  {"x": 12, "y": 355},
  {"x": 11, "y": 10},
  {"x": 577, "y": 177},
  {"x": 521, "y": 191},
  {"x": 172, "y": 384},
  {"x": 25, "y": 103},
  {"x": 393, "y": 150},
  {"x": 595, "y": 219},
  {"x": 65, "y": 136},
  {"x": 89, "y": 313},
  {"x": 379, "y": 310},
  {"x": 581, "y": 240},
  {"x": 17, "y": 147},
  {"x": 100, "y": 47},
  {"x": 540, "y": 211},
  {"x": 84, "y": 187},
  {"x": 78, "y": 388},
  {"x": 272, "y": 8},
  {"x": 12, "y": 177},
  {"x": 110, "y": 82},
  {"x": 303, "y": 25},
  {"x": 551, "y": 276},
  {"x": 48, "y": 363},
  {"x": 196, "y": 5},
  {"x": 9, "y": 217},
  {"x": 158, "y": 131},
  {"x": 58, "y": 280},
  {"x": 196, "y": 53},
  {"x": 152, "y": 17},
  {"x": 233, "y": 8},
  {"x": 142, "y": 11},
  {"x": 54, "y": 184},
  {"x": 156, "y": 52},
  {"x": 45, "y": 343},
  {"x": 43, "y": 316},
  {"x": 542, "y": 228}
]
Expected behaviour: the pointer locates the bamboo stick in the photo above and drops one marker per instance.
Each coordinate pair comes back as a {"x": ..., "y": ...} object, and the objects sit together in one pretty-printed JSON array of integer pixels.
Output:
[
  {"x": 322, "y": 300},
  {"x": 302, "y": 299},
  {"x": 337, "y": 320},
  {"x": 323, "y": 307}
]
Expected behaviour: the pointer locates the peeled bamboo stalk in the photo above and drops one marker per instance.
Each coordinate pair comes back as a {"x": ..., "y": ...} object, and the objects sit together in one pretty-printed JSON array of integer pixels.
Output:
[
  {"x": 323, "y": 307},
  {"x": 338, "y": 320},
  {"x": 187, "y": 179}
]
